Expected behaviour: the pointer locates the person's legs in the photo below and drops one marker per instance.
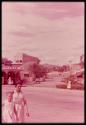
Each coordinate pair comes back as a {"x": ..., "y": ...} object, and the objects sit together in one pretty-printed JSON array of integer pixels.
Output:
[{"x": 22, "y": 115}]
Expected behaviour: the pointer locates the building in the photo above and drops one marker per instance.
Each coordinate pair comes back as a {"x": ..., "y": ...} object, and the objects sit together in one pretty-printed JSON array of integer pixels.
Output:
[
  {"x": 19, "y": 70},
  {"x": 12, "y": 71},
  {"x": 24, "y": 58}
]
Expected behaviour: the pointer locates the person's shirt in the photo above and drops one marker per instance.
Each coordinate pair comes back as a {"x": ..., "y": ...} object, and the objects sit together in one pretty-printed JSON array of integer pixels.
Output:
[{"x": 18, "y": 98}]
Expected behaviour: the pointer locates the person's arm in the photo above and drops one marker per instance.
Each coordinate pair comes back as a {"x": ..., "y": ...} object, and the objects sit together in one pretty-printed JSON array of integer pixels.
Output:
[
  {"x": 3, "y": 103},
  {"x": 25, "y": 103}
]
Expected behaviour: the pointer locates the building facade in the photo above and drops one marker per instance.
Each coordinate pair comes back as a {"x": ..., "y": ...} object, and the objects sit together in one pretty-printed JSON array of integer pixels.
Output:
[{"x": 19, "y": 70}]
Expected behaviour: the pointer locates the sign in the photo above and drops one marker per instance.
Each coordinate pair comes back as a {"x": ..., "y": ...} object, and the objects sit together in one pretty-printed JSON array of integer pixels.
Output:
[{"x": 11, "y": 68}]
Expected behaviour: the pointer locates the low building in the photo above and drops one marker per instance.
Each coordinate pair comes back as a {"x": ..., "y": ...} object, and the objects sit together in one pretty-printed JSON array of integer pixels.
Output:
[{"x": 18, "y": 70}]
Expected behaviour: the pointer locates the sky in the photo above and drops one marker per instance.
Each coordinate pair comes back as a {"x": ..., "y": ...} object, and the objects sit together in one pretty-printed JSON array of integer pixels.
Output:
[{"x": 51, "y": 31}]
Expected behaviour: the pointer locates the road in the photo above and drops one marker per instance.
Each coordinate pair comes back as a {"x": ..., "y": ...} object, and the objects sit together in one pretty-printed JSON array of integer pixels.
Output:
[{"x": 52, "y": 105}]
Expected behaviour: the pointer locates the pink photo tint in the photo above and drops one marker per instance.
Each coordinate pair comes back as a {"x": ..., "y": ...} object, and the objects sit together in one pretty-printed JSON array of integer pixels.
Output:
[{"x": 42, "y": 62}]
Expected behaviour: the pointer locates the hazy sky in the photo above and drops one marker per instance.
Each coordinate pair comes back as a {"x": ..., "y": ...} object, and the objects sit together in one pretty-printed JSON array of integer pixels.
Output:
[{"x": 52, "y": 31}]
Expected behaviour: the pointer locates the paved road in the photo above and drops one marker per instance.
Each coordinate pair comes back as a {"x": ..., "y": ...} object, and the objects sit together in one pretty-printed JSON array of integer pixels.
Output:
[{"x": 52, "y": 105}]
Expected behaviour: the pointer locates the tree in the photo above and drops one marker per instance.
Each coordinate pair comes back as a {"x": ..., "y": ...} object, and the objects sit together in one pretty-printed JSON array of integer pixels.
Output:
[
  {"x": 39, "y": 71},
  {"x": 5, "y": 61}
]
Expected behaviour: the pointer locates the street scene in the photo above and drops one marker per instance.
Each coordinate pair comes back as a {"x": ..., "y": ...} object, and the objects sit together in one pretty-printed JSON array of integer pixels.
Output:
[
  {"x": 42, "y": 62},
  {"x": 51, "y": 105}
]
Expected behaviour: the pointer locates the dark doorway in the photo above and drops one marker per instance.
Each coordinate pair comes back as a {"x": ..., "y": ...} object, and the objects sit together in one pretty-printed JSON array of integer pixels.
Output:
[
  {"x": 4, "y": 77},
  {"x": 11, "y": 74}
]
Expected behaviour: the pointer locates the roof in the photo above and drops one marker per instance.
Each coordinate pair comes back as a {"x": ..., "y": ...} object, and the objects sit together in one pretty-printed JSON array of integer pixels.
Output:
[{"x": 27, "y": 58}]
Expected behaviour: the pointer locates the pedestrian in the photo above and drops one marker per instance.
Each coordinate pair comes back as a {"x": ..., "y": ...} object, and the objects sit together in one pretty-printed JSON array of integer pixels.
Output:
[
  {"x": 69, "y": 85},
  {"x": 20, "y": 103},
  {"x": 9, "y": 114},
  {"x": 10, "y": 82}
]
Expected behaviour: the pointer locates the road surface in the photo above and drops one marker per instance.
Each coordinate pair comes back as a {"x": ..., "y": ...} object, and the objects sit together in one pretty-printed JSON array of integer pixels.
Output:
[{"x": 52, "y": 105}]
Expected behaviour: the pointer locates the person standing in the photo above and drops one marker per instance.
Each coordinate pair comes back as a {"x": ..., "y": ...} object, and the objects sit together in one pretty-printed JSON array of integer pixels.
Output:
[
  {"x": 9, "y": 111},
  {"x": 10, "y": 82},
  {"x": 20, "y": 103}
]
